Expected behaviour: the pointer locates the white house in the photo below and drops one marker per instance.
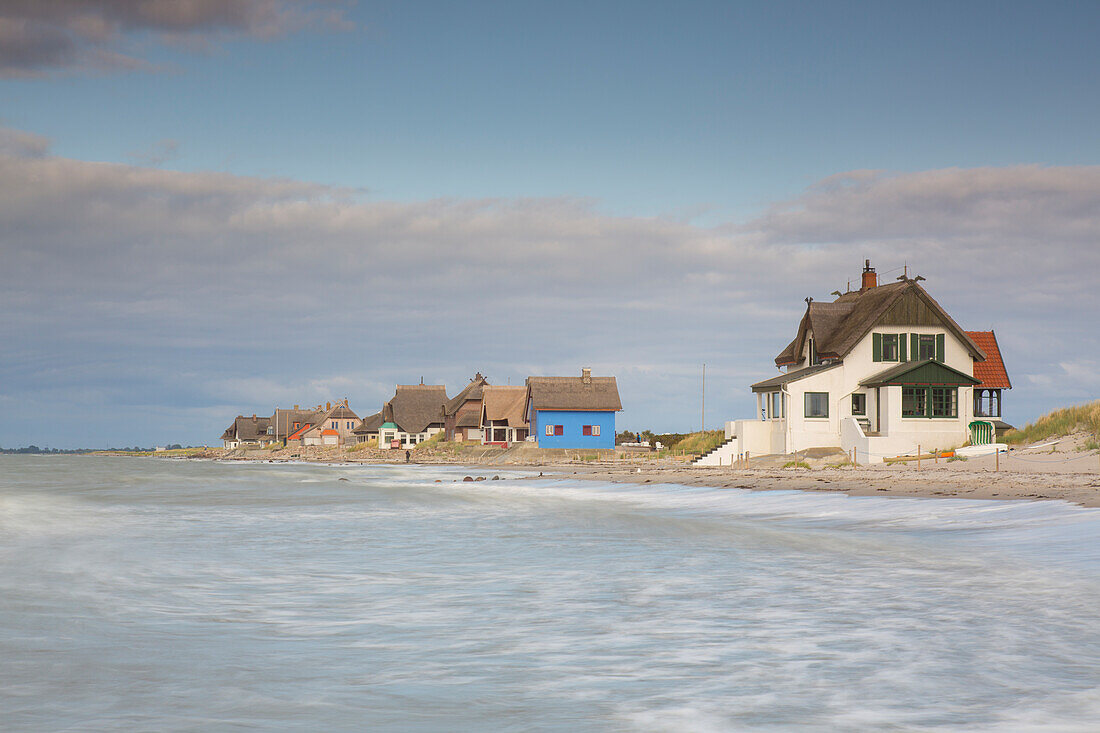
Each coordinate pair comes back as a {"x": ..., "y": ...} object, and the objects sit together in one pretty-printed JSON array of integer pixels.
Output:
[
  {"x": 881, "y": 370},
  {"x": 414, "y": 414}
]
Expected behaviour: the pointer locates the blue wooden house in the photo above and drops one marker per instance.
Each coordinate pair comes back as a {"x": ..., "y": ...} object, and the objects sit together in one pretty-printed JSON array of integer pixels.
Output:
[{"x": 573, "y": 412}]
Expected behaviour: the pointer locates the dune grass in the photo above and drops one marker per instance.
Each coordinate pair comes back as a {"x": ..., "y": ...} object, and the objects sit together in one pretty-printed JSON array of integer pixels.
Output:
[
  {"x": 1060, "y": 422},
  {"x": 700, "y": 443}
]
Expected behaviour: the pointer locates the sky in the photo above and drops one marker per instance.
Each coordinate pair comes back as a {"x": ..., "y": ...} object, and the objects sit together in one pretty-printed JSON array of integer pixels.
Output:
[{"x": 215, "y": 208}]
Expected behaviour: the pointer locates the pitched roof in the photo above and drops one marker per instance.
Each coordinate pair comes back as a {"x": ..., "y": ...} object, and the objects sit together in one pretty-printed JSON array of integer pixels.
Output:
[
  {"x": 573, "y": 393},
  {"x": 838, "y": 326},
  {"x": 284, "y": 420},
  {"x": 247, "y": 428},
  {"x": 414, "y": 407},
  {"x": 472, "y": 391},
  {"x": 991, "y": 372},
  {"x": 506, "y": 403},
  {"x": 773, "y": 384},
  {"x": 927, "y": 371},
  {"x": 338, "y": 411},
  {"x": 370, "y": 424}
]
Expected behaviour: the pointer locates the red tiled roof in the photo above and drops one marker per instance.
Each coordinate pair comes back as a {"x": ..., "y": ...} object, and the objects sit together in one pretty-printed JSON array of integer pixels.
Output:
[
  {"x": 297, "y": 434},
  {"x": 991, "y": 371}
]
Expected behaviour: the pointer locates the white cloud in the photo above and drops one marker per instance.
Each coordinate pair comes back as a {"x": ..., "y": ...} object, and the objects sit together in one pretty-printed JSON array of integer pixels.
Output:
[{"x": 248, "y": 291}]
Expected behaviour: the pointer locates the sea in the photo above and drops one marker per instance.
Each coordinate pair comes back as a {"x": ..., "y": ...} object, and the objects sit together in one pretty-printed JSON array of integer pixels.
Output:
[{"x": 144, "y": 594}]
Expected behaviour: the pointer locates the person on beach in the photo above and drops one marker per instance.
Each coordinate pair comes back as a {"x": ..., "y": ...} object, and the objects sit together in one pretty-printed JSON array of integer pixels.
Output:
[{"x": 408, "y": 455}]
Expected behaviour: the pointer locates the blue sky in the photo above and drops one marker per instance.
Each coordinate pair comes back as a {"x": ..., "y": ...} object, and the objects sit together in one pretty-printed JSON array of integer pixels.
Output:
[{"x": 690, "y": 154}]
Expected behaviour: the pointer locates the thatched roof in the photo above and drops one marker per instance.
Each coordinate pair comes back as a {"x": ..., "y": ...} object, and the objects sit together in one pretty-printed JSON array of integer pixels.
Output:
[
  {"x": 838, "y": 326},
  {"x": 247, "y": 428},
  {"x": 283, "y": 420},
  {"x": 415, "y": 407},
  {"x": 505, "y": 403},
  {"x": 470, "y": 392},
  {"x": 573, "y": 393},
  {"x": 370, "y": 424}
]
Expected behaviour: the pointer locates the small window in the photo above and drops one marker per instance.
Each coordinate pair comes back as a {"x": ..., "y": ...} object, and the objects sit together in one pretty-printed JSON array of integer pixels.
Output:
[
  {"x": 559, "y": 430},
  {"x": 926, "y": 347},
  {"x": 813, "y": 354},
  {"x": 889, "y": 347},
  {"x": 297, "y": 425},
  {"x": 913, "y": 401},
  {"x": 334, "y": 424},
  {"x": 590, "y": 430},
  {"x": 549, "y": 429},
  {"x": 944, "y": 402},
  {"x": 817, "y": 404},
  {"x": 859, "y": 404}
]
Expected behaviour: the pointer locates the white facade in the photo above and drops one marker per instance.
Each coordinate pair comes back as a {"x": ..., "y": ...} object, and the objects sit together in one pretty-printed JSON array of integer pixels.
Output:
[{"x": 787, "y": 421}]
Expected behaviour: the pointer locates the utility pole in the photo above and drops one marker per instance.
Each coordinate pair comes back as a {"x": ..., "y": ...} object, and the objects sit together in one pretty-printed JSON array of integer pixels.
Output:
[{"x": 703, "y": 400}]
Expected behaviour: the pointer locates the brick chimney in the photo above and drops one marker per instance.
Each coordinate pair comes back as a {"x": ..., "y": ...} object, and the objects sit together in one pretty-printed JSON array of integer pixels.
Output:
[
  {"x": 586, "y": 375},
  {"x": 328, "y": 406},
  {"x": 253, "y": 417},
  {"x": 296, "y": 407},
  {"x": 870, "y": 279}
]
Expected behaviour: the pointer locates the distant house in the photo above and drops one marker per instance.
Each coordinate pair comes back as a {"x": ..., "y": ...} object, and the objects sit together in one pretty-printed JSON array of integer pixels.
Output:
[
  {"x": 285, "y": 423},
  {"x": 462, "y": 415},
  {"x": 368, "y": 428},
  {"x": 334, "y": 427},
  {"x": 503, "y": 418},
  {"x": 994, "y": 380},
  {"x": 247, "y": 432},
  {"x": 573, "y": 412},
  {"x": 878, "y": 372},
  {"x": 414, "y": 414}
]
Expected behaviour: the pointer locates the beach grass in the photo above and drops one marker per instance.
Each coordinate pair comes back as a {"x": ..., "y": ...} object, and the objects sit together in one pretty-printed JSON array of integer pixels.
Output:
[
  {"x": 700, "y": 442},
  {"x": 1079, "y": 418}
]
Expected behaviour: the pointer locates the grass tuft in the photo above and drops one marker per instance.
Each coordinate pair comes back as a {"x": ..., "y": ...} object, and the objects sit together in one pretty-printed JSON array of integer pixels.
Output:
[
  {"x": 1060, "y": 422},
  {"x": 796, "y": 464},
  {"x": 700, "y": 443}
]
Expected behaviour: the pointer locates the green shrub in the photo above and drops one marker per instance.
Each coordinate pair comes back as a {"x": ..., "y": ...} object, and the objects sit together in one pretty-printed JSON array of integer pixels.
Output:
[{"x": 796, "y": 464}]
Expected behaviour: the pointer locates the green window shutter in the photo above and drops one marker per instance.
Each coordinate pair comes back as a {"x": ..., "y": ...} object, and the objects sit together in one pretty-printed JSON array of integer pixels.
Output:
[
  {"x": 902, "y": 341},
  {"x": 876, "y": 347},
  {"x": 914, "y": 350},
  {"x": 939, "y": 347}
]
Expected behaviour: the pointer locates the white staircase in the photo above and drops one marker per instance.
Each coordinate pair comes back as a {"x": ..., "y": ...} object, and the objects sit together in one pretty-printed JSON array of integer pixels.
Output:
[{"x": 724, "y": 454}]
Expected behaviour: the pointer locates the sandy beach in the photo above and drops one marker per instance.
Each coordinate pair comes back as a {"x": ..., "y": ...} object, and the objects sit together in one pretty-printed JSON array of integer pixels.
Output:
[{"x": 1059, "y": 469}]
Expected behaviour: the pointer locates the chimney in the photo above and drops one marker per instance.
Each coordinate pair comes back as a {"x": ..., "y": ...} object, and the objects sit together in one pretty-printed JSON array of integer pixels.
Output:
[
  {"x": 253, "y": 417},
  {"x": 870, "y": 279},
  {"x": 296, "y": 407},
  {"x": 328, "y": 406},
  {"x": 586, "y": 375}
]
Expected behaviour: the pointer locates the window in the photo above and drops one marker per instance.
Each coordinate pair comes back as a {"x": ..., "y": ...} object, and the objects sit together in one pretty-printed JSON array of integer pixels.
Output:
[
  {"x": 926, "y": 347},
  {"x": 549, "y": 429},
  {"x": 297, "y": 425},
  {"x": 987, "y": 403},
  {"x": 773, "y": 405},
  {"x": 813, "y": 354},
  {"x": 817, "y": 404},
  {"x": 555, "y": 430},
  {"x": 889, "y": 347},
  {"x": 944, "y": 402},
  {"x": 334, "y": 424},
  {"x": 929, "y": 402},
  {"x": 913, "y": 401},
  {"x": 859, "y": 404},
  {"x": 590, "y": 430}
]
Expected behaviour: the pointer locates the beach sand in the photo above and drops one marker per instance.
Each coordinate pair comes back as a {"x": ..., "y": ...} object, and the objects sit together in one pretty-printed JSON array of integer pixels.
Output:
[{"x": 1065, "y": 470}]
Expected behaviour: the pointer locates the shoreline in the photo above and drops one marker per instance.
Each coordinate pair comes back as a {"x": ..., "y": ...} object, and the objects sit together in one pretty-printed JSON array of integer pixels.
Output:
[{"x": 1045, "y": 472}]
